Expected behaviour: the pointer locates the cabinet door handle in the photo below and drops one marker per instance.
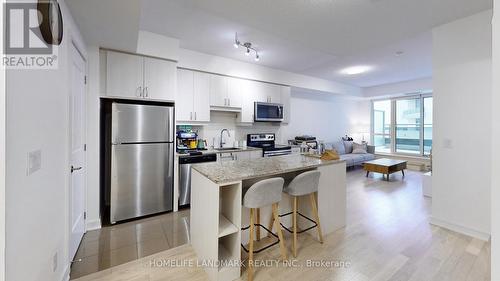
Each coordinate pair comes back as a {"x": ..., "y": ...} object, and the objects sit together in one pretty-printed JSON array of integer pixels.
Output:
[
  {"x": 75, "y": 168},
  {"x": 138, "y": 91},
  {"x": 225, "y": 101},
  {"x": 229, "y": 102},
  {"x": 190, "y": 115},
  {"x": 195, "y": 115},
  {"x": 146, "y": 92}
]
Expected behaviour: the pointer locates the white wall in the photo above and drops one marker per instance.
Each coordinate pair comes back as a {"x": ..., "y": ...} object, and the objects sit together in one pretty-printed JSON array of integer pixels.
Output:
[
  {"x": 495, "y": 151},
  {"x": 398, "y": 89},
  {"x": 462, "y": 125},
  {"x": 37, "y": 205},
  {"x": 327, "y": 117}
]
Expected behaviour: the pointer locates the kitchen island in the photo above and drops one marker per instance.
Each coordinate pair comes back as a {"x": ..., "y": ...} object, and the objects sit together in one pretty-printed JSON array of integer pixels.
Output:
[{"x": 217, "y": 214}]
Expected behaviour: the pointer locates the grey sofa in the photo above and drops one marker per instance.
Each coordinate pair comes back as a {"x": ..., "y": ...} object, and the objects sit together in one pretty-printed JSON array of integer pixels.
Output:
[{"x": 344, "y": 150}]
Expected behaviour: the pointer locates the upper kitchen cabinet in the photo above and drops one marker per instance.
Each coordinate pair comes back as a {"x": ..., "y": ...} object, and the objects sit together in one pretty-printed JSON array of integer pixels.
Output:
[
  {"x": 201, "y": 98},
  {"x": 225, "y": 91},
  {"x": 135, "y": 76},
  {"x": 124, "y": 75},
  {"x": 159, "y": 79},
  {"x": 192, "y": 99},
  {"x": 266, "y": 92}
]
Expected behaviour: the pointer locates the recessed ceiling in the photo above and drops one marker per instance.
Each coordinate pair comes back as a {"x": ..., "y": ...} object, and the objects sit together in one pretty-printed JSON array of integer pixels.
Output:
[{"x": 312, "y": 37}]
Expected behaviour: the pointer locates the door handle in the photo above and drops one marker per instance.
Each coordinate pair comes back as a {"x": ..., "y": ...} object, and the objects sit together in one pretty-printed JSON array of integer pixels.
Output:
[
  {"x": 139, "y": 90},
  {"x": 146, "y": 92},
  {"x": 195, "y": 115},
  {"x": 190, "y": 115},
  {"x": 75, "y": 168}
]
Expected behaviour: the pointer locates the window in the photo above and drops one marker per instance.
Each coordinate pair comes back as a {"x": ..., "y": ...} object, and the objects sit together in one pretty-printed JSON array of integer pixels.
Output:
[
  {"x": 403, "y": 125},
  {"x": 382, "y": 125}
]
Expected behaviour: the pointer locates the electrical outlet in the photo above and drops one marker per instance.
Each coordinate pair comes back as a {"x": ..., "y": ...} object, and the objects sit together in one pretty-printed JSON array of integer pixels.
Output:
[
  {"x": 54, "y": 262},
  {"x": 34, "y": 161}
]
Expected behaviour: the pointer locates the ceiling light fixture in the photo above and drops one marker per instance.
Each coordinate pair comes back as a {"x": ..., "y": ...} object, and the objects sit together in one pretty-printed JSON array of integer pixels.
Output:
[
  {"x": 353, "y": 70},
  {"x": 247, "y": 45}
]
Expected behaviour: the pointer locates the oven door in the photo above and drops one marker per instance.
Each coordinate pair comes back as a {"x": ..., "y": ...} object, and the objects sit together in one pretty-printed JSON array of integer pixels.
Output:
[{"x": 268, "y": 112}]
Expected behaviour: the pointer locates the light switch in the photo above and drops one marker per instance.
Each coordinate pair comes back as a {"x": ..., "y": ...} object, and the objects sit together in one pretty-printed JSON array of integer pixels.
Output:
[{"x": 34, "y": 161}]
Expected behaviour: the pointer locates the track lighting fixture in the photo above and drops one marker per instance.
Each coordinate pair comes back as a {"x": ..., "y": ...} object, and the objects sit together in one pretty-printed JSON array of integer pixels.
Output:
[{"x": 246, "y": 45}]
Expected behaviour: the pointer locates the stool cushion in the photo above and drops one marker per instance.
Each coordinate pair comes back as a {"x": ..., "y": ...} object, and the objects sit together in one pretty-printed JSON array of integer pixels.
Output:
[
  {"x": 263, "y": 193},
  {"x": 304, "y": 183}
]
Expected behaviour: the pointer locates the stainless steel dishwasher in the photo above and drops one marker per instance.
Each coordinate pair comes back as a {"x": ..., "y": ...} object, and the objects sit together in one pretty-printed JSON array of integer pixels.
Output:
[{"x": 185, "y": 163}]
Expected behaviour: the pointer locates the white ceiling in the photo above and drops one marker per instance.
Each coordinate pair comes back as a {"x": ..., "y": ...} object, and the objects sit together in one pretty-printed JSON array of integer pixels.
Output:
[{"x": 312, "y": 37}]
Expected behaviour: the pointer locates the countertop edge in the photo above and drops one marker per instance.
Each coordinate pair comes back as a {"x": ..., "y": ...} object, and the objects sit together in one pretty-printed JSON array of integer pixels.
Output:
[{"x": 327, "y": 162}]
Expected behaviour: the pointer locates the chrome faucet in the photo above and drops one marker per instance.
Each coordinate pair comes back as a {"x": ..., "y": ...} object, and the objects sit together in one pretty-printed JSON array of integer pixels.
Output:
[{"x": 221, "y": 140}]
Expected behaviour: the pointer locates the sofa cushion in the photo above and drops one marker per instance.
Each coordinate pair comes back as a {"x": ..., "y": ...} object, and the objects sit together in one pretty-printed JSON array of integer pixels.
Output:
[
  {"x": 348, "y": 146},
  {"x": 339, "y": 147},
  {"x": 359, "y": 148}
]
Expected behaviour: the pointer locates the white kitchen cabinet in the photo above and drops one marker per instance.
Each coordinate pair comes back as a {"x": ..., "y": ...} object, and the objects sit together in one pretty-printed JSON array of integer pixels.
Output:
[
  {"x": 124, "y": 75},
  {"x": 224, "y": 91},
  {"x": 139, "y": 77},
  {"x": 267, "y": 93},
  {"x": 159, "y": 79},
  {"x": 218, "y": 90},
  {"x": 192, "y": 99},
  {"x": 184, "y": 97},
  {"x": 248, "y": 97},
  {"x": 285, "y": 100},
  {"x": 234, "y": 91},
  {"x": 201, "y": 97}
]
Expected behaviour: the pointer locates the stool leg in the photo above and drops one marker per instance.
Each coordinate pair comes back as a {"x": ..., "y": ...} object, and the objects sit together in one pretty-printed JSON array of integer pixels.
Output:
[
  {"x": 250, "y": 250},
  {"x": 278, "y": 229},
  {"x": 294, "y": 226},
  {"x": 257, "y": 233},
  {"x": 271, "y": 223},
  {"x": 316, "y": 216}
]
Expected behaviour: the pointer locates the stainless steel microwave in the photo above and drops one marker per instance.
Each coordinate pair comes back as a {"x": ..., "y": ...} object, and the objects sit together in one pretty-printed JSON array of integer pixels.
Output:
[{"x": 268, "y": 112}]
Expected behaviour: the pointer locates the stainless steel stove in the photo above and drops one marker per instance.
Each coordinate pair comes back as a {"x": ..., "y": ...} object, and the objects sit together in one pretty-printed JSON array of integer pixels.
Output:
[{"x": 267, "y": 143}]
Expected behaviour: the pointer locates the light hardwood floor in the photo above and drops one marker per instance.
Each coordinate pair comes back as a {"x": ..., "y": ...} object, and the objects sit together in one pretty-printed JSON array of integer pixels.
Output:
[{"x": 387, "y": 237}]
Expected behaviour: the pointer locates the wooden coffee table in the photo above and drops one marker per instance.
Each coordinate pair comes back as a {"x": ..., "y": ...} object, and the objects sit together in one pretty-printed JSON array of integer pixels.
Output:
[{"x": 384, "y": 166}]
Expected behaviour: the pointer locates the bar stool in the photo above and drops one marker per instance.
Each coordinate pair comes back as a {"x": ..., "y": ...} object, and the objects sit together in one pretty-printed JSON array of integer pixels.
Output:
[
  {"x": 303, "y": 184},
  {"x": 263, "y": 193}
]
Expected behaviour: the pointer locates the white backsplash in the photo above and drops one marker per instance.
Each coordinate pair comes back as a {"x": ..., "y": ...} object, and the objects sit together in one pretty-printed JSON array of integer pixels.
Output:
[{"x": 227, "y": 120}]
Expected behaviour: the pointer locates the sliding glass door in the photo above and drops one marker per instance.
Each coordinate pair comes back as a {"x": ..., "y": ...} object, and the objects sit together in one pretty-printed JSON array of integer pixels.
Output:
[
  {"x": 408, "y": 120},
  {"x": 403, "y": 125}
]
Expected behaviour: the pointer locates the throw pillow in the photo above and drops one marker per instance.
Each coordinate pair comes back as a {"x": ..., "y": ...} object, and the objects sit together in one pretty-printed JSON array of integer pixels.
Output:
[
  {"x": 348, "y": 146},
  {"x": 339, "y": 147},
  {"x": 359, "y": 148}
]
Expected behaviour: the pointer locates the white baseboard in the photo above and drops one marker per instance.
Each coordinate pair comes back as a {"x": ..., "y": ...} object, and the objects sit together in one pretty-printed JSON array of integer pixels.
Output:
[
  {"x": 92, "y": 224},
  {"x": 460, "y": 229}
]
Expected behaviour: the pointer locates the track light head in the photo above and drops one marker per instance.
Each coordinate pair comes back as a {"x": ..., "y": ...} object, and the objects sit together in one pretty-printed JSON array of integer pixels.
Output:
[
  {"x": 247, "y": 52},
  {"x": 257, "y": 57}
]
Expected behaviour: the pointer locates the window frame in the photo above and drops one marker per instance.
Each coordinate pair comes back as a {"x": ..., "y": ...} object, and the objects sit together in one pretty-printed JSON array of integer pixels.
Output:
[{"x": 392, "y": 131}]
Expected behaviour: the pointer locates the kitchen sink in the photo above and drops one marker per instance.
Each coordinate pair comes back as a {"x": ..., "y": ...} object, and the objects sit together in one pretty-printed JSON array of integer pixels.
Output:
[{"x": 227, "y": 148}]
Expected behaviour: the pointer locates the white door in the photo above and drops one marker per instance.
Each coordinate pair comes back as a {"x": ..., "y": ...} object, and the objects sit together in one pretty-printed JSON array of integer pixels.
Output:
[
  {"x": 184, "y": 97},
  {"x": 77, "y": 103},
  {"x": 159, "y": 79},
  {"x": 124, "y": 75},
  {"x": 201, "y": 97},
  {"x": 218, "y": 90}
]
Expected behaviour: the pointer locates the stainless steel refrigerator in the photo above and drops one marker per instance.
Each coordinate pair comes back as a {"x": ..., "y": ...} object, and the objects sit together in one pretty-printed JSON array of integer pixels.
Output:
[{"x": 142, "y": 156}]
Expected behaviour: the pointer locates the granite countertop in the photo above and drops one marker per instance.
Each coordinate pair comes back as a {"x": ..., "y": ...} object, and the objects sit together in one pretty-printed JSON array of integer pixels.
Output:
[{"x": 231, "y": 171}]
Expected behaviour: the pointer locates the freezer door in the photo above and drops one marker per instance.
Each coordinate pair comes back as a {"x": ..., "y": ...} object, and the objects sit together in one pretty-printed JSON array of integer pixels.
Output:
[
  {"x": 141, "y": 180},
  {"x": 136, "y": 123}
]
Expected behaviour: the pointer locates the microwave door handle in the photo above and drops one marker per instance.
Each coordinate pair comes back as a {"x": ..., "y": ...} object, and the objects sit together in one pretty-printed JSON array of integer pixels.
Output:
[{"x": 279, "y": 111}]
